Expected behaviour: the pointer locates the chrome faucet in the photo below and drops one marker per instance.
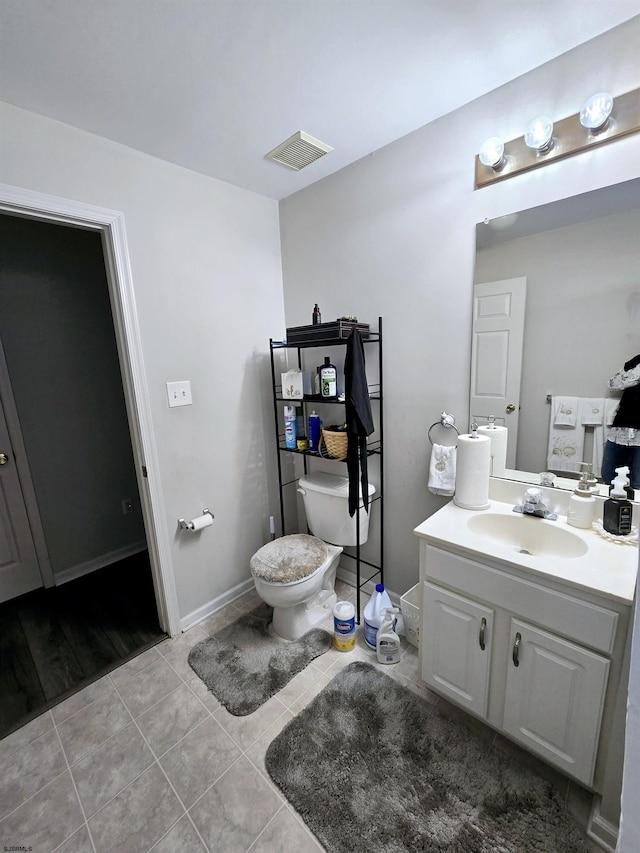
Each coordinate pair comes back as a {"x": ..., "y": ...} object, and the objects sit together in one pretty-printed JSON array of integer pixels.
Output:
[{"x": 534, "y": 505}]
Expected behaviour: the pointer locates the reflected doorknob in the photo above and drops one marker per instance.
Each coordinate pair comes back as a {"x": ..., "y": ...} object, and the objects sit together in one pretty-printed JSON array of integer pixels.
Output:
[
  {"x": 511, "y": 407},
  {"x": 3, "y": 458}
]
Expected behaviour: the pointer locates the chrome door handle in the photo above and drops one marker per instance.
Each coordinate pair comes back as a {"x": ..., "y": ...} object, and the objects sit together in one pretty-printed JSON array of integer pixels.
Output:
[
  {"x": 3, "y": 458},
  {"x": 483, "y": 625},
  {"x": 511, "y": 407},
  {"x": 516, "y": 648}
]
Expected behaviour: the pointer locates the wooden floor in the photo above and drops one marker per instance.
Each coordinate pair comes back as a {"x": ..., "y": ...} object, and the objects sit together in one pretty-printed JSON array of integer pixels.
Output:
[{"x": 55, "y": 641}]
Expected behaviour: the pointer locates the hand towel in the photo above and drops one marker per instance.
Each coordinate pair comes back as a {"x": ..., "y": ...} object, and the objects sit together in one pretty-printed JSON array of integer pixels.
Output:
[
  {"x": 565, "y": 411},
  {"x": 591, "y": 411},
  {"x": 442, "y": 470},
  {"x": 566, "y": 443}
]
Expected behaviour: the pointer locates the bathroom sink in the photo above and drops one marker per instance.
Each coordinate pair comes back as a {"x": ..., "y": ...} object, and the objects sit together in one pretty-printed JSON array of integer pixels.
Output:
[{"x": 525, "y": 535}]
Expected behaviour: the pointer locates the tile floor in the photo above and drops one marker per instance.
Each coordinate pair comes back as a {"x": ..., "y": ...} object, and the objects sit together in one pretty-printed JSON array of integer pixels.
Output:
[{"x": 147, "y": 759}]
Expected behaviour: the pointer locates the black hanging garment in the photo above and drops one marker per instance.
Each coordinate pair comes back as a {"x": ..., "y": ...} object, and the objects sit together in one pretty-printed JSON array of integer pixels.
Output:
[{"x": 359, "y": 419}]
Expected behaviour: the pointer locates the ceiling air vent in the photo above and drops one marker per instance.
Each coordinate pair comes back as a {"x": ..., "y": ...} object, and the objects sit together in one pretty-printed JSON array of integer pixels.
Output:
[{"x": 299, "y": 151}]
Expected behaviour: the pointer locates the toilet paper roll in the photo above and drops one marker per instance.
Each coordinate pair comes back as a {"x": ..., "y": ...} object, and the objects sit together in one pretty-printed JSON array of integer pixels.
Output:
[
  {"x": 472, "y": 472},
  {"x": 205, "y": 520},
  {"x": 498, "y": 435}
]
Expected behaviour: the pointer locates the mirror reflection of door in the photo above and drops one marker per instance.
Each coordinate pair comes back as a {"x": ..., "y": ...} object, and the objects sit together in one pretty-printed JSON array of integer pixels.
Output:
[{"x": 496, "y": 355}]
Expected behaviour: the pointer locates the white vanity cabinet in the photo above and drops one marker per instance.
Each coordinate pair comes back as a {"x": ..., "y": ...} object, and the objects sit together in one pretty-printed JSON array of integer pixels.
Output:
[
  {"x": 457, "y": 637},
  {"x": 527, "y": 655}
]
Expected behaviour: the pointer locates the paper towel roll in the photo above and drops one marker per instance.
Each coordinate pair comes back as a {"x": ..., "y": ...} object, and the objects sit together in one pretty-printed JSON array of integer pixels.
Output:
[
  {"x": 205, "y": 520},
  {"x": 472, "y": 472},
  {"x": 498, "y": 436}
]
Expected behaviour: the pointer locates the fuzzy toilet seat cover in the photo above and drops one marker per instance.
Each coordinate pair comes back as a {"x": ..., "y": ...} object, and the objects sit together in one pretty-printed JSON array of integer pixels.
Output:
[{"x": 290, "y": 558}]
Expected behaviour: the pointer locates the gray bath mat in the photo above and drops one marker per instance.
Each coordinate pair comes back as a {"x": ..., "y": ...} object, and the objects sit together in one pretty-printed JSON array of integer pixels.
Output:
[
  {"x": 243, "y": 665},
  {"x": 371, "y": 766}
]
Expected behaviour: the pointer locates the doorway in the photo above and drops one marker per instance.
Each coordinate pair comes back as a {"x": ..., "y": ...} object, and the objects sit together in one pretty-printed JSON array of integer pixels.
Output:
[{"x": 70, "y": 563}]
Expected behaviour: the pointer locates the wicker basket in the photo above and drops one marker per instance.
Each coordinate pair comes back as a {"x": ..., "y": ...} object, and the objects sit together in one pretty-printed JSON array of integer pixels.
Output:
[{"x": 333, "y": 444}]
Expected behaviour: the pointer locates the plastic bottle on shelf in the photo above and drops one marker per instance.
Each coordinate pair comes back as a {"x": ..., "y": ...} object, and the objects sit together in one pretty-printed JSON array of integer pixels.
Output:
[
  {"x": 373, "y": 612},
  {"x": 290, "y": 427},
  {"x": 314, "y": 431},
  {"x": 316, "y": 317},
  {"x": 328, "y": 380}
]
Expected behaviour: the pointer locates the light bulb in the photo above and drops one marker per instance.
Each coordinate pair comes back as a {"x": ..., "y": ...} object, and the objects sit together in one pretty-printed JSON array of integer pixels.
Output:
[
  {"x": 596, "y": 110},
  {"x": 492, "y": 153},
  {"x": 539, "y": 134}
]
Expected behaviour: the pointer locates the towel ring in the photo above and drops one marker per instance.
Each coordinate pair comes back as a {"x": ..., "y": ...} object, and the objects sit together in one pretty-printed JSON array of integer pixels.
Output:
[{"x": 446, "y": 421}]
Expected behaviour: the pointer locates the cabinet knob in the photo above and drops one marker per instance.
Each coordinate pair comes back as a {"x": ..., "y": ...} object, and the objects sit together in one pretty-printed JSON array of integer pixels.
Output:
[
  {"x": 516, "y": 649},
  {"x": 483, "y": 625}
]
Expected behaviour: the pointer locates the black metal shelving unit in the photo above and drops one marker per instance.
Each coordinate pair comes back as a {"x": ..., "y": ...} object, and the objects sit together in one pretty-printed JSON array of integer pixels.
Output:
[{"x": 374, "y": 448}]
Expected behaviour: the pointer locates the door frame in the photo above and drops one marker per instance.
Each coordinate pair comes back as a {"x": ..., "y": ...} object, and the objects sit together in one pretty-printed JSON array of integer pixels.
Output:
[{"x": 110, "y": 224}]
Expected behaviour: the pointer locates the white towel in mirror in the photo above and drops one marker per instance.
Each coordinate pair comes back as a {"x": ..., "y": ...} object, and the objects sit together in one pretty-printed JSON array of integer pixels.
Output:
[
  {"x": 565, "y": 411},
  {"x": 566, "y": 441}
]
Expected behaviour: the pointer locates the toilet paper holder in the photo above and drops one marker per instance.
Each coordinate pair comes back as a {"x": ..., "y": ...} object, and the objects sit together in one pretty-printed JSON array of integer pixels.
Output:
[{"x": 195, "y": 523}]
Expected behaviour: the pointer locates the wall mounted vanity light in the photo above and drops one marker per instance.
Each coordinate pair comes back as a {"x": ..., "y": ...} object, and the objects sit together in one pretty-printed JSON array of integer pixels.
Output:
[{"x": 601, "y": 119}]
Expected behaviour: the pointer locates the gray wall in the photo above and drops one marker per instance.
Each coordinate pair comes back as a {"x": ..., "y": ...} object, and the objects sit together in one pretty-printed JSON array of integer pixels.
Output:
[
  {"x": 59, "y": 344},
  {"x": 394, "y": 235},
  {"x": 582, "y": 315}
]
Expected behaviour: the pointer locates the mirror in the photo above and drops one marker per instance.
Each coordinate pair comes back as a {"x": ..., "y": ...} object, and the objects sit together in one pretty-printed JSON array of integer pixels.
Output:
[{"x": 581, "y": 260}]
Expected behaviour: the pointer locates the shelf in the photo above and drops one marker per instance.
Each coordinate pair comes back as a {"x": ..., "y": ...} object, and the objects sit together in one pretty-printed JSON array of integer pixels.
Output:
[
  {"x": 374, "y": 447},
  {"x": 374, "y": 338},
  {"x": 311, "y": 400}
]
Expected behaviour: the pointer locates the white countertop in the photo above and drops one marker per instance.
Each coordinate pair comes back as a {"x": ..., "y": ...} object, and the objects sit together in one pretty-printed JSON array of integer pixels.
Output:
[{"x": 608, "y": 568}]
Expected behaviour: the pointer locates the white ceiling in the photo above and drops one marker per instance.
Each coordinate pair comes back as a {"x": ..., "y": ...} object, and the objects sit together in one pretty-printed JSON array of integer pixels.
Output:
[{"x": 213, "y": 85}]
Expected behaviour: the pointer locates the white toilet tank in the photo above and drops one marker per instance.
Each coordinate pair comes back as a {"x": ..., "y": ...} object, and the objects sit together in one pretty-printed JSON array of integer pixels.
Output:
[{"x": 326, "y": 504}]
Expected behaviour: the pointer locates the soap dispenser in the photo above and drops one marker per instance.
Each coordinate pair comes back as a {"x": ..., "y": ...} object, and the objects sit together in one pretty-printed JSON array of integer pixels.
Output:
[
  {"x": 616, "y": 517},
  {"x": 582, "y": 504}
]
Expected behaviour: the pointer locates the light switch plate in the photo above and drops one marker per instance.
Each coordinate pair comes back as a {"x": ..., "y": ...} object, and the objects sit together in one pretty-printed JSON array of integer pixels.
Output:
[{"x": 179, "y": 393}]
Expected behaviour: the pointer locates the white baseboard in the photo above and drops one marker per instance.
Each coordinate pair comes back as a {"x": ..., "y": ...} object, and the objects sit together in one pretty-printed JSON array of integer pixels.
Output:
[
  {"x": 81, "y": 569},
  {"x": 601, "y": 831},
  {"x": 211, "y": 607}
]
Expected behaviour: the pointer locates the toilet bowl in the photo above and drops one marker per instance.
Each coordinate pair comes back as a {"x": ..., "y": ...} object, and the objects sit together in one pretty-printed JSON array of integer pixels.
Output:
[{"x": 296, "y": 574}]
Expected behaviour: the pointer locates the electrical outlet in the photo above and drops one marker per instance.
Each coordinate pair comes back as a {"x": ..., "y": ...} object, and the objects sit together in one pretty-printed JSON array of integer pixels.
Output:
[{"x": 127, "y": 506}]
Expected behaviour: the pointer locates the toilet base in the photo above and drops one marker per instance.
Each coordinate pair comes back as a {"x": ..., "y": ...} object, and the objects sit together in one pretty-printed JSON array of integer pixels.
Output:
[{"x": 291, "y": 623}]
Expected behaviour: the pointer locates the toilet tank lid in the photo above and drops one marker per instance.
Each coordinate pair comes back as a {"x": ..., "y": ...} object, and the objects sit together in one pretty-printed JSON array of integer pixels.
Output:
[{"x": 328, "y": 484}]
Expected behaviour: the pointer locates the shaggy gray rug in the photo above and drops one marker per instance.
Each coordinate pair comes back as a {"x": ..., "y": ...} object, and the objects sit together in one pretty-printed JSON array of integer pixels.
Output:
[
  {"x": 243, "y": 665},
  {"x": 372, "y": 767}
]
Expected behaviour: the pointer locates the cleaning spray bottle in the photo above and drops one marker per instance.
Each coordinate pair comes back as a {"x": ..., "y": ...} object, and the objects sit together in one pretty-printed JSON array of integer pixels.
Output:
[
  {"x": 616, "y": 516},
  {"x": 388, "y": 642}
]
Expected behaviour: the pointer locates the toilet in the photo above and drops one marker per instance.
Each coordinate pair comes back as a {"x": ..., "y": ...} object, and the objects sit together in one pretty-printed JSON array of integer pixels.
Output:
[{"x": 296, "y": 574}]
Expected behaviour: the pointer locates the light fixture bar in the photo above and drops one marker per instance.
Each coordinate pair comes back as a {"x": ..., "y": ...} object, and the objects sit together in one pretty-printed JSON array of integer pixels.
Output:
[{"x": 569, "y": 137}]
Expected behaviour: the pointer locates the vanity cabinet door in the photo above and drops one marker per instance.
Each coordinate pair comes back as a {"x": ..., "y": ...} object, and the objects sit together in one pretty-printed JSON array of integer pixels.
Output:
[
  {"x": 554, "y": 698},
  {"x": 456, "y": 638}
]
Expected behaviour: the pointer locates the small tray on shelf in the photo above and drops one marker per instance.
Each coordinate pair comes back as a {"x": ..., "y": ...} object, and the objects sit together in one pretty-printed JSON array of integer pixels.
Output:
[{"x": 335, "y": 332}]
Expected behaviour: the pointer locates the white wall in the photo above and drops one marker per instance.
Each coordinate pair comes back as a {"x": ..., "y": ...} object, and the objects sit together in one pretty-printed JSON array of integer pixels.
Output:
[
  {"x": 206, "y": 272},
  {"x": 394, "y": 235},
  {"x": 582, "y": 315}
]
